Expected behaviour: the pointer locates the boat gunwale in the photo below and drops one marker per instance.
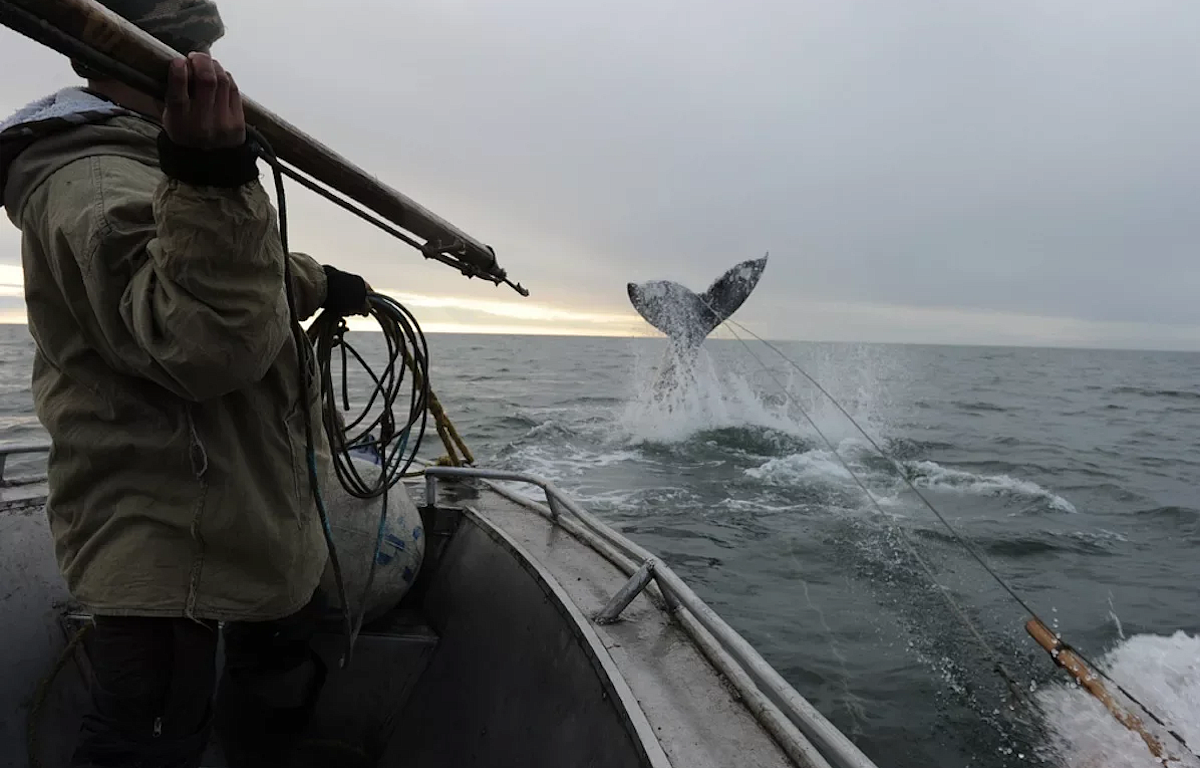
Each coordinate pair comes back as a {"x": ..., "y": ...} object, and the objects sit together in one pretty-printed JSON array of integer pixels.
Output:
[
  {"x": 798, "y": 749},
  {"x": 805, "y": 734}
]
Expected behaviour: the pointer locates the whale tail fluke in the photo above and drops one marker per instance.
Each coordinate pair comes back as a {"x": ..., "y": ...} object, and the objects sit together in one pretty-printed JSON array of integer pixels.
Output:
[{"x": 687, "y": 318}]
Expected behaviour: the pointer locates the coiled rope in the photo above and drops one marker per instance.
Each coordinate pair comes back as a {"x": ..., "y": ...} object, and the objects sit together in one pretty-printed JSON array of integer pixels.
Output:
[{"x": 374, "y": 429}]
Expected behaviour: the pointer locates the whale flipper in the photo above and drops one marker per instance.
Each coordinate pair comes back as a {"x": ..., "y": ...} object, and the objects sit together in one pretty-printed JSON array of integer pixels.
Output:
[{"x": 686, "y": 318}]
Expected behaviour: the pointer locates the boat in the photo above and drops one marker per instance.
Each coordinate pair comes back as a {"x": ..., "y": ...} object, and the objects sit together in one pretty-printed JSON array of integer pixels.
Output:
[{"x": 535, "y": 635}]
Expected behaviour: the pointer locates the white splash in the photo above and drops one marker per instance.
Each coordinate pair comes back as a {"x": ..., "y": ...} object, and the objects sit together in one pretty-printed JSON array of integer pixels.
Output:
[
  {"x": 1163, "y": 673},
  {"x": 682, "y": 396},
  {"x": 823, "y": 466},
  {"x": 563, "y": 461},
  {"x": 932, "y": 475},
  {"x": 815, "y": 465},
  {"x": 678, "y": 393}
]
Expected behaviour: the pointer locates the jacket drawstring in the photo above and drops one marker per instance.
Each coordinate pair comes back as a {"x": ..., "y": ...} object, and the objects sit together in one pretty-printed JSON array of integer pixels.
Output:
[
  {"x": 199, "y": 457},
  {"x": 196, "y": 450}
]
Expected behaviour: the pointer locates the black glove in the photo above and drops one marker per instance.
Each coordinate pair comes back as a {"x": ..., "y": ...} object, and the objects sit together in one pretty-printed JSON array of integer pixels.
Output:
[{"x": 346, "y": 294}]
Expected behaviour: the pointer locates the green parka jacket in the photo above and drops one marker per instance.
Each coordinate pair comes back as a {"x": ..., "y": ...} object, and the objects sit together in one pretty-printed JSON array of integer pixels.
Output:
[{"x": 165, "y": 372}]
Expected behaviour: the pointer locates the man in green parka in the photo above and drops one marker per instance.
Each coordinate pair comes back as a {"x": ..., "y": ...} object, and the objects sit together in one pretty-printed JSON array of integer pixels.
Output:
[{"x": 167, "y": 375}]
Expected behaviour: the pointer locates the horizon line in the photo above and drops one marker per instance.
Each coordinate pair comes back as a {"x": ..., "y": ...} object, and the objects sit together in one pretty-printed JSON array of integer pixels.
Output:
[{"x": 654, "y": 336}]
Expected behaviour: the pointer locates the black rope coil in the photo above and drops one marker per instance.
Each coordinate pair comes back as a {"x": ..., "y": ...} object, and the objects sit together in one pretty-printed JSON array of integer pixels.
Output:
[{"x": 375, "y": 427}]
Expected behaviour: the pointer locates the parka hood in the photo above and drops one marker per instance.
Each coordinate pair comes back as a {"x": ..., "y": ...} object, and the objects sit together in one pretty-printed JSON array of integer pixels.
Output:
[{"x": 57, "y": 117}]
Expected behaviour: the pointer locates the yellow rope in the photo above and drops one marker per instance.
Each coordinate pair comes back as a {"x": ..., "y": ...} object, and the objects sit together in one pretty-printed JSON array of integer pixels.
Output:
[
  {"x": 445, "y": 428},
  {"x": 435, "y": 406}
]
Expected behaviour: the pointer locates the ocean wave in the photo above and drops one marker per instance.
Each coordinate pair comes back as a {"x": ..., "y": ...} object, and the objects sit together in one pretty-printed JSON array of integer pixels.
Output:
[
  {"x": 1163, "y": 672},
  {"x": 547, "y": 428},
  {"x": 1110, "y": 491},
  {"x": 577, "y": 400},
  {"x": 519, "y": 420},
  {"x": 907, "y": 447},
  {"x": 990, "y": 467},
  {"x": 979, "y": 407},
  {"x": 558, "y": 460},
  {"x": 1033, "y": 545},
  {"x": 823, "y": 466},
  {"x": 801, "y": 467},
  {"x": 755, "y": 441},
  {"x": 930, "y": 474},
  {"x": 681, "y": 500},
  {"x": 1182, "y": 394},
  {"x": 1186, "y": 516}
]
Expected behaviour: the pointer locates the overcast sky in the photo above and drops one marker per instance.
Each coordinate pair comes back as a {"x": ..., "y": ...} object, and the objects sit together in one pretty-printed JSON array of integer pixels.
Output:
[{"x": 1022, "y": 172}]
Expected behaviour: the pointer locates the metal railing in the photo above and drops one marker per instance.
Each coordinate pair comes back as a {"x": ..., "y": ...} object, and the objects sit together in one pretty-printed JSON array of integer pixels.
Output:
[
  {"x": 20, "y": 449},
  {"x": 644, "y": 568}
]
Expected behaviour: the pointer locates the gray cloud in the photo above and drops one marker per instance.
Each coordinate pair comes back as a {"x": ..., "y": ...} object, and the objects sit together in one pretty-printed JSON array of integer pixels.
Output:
[{"x": 991, "y": 160}]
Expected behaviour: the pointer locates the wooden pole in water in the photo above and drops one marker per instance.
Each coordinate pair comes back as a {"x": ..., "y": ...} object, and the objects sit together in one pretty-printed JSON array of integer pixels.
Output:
[
  {"x": 1070, "y": 661},
  {"x": 76, "y": 28}
]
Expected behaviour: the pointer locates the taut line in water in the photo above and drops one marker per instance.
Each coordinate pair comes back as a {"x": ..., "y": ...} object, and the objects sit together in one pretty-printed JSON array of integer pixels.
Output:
[{"x": 1058, "y": 650}]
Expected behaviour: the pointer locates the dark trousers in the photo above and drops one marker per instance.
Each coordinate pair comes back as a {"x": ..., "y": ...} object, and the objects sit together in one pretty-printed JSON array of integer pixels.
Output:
[{"x": 153, "y": 687}]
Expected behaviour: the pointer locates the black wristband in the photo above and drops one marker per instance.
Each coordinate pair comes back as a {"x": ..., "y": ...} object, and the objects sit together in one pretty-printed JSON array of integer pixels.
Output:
[
  {"x": 345, "y": 294},
  {"x": 225, "y": 167}
]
